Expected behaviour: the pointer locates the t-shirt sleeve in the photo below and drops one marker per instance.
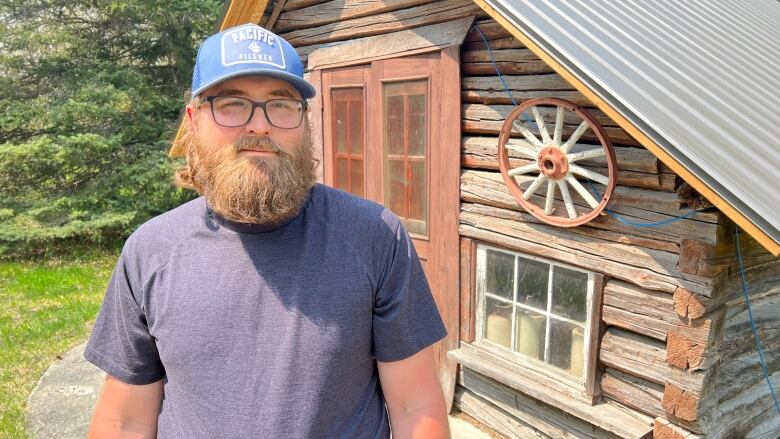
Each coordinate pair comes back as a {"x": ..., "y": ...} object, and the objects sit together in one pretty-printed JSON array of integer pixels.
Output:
[
  {"x": 120, "y": 343},
  {"x": 405, "y": 317}
]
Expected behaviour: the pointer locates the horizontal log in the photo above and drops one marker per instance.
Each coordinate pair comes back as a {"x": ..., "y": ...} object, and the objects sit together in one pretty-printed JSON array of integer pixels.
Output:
[
  {"x": 664, "y": 429},
  {"x": 628, "y": 159},
  {"x": 555, "y": 81},
  {"x": 481, "y": 209},
  {"x": 692, "y": 305},
  {"x": 696, "y": 258},
  {"x": 633, "y": 392},
  {"x": 431, "y": 13},
  {"x": 291, "y": 5},
  {"x": 749, "y": 413},
  {"x": 336, "y": 10},
  {"x": 489, "y": 188},
  {"x": 498, "y": 420},
  {"x": 519, "y": 83},
  {"x": 500, "y": 97},
  {"x": 494, "y": 44},
  {"x": 548, "y": 420},
  {"x": 642, "y": 311},
  {"x": 645, "y": 357},
  {"x": 499, "y": 113},
  {"x": 490, "y": 29},
  {"x": 679, "y": 403},
  {"x": 506, "y": 68}
]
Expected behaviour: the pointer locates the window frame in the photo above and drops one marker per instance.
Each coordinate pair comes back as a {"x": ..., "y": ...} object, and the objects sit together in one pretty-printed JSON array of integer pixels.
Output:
[{"x": 585, "y": 386}]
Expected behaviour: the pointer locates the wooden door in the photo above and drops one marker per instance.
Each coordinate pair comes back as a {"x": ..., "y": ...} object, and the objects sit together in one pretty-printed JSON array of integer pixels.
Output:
[{"x": 391, "y": 132}]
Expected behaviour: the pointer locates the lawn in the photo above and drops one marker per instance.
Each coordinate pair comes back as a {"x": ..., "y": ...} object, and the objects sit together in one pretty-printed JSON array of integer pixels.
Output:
[{"x": 46, "y": 307}]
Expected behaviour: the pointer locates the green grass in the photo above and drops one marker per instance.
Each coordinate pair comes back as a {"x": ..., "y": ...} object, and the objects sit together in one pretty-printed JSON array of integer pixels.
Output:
[{"x": 46, "y": 307}]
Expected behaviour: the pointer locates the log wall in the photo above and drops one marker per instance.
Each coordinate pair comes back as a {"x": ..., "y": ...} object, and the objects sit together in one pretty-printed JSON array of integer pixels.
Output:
[{"x": 675, "y": 347}]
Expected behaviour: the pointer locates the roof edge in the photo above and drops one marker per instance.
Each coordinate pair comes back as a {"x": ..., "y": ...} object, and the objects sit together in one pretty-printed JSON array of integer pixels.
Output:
[{"x": 763, "y": 238}]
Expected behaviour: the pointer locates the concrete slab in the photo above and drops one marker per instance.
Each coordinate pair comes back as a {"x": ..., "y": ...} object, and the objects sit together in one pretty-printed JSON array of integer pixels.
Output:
[{"x": 62, "y": 403}]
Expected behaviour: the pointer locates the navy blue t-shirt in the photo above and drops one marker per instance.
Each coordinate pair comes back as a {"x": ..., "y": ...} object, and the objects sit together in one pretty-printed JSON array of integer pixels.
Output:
[{"x": 267, "y": 332}]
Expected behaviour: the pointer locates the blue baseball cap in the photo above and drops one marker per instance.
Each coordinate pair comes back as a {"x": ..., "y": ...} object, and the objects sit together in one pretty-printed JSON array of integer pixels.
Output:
[{"x": 248, "y": 49}]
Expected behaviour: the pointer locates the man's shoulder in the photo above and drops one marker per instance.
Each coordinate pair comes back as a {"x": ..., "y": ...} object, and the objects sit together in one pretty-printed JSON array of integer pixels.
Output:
[
  {"x": 337, "y": 204},
  {"x": 165, "y": 230}
]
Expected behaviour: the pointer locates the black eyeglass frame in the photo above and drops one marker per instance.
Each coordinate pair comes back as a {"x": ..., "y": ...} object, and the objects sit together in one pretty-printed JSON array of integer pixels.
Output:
[{"x": 255, "y": 104}]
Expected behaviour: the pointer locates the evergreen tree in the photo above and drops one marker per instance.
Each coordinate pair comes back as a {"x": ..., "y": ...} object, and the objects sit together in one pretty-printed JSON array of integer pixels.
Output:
[{"x": 90, "y": 95}]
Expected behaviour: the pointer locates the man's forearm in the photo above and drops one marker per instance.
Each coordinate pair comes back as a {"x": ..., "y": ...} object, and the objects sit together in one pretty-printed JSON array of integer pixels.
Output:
[
  {"x": 121, "y": 429},
  {"x": 419, "y": 424}
]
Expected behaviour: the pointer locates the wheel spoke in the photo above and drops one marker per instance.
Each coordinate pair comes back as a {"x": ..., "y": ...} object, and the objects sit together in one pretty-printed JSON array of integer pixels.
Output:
[
  {"x": 542, "y": 127},
  {"x": 522, "y": 147},
  {"x": 567, "y": 199},
  {"x": 527, "y": 134},
  {"x": 533, "y": 187},
  {"x": 558, "y": 126},
  {"x": 589, "y": 154},
  {"x": 524, "y": 169},
  {"x": 582, "y": 191},
  {"x": 566, "y": 147},
  {"x": 603, "y": 179},
  {"x": 548, "y": 202}
]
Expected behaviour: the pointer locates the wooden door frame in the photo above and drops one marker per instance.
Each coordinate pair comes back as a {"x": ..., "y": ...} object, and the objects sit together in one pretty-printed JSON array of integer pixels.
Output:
[{"x": 449, "y": 148}]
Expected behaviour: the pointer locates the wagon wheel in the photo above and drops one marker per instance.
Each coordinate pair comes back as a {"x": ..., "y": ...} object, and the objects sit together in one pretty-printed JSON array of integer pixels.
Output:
[{"x": 555, "y": 162}]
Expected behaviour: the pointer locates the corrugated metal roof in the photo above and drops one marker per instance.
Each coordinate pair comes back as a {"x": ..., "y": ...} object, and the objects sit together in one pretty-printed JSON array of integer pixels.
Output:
[{"x": 700, "y": 78}]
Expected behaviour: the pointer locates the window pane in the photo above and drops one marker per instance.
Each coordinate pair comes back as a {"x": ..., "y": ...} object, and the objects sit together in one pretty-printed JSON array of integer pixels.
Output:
[
  {"x": 356, "y": 171},
  {"x": 532, "y": 281},
  {"x": 356, "y": 126},
  {"x": 499, "y": 273},
  {"x": 417, "y": 205},
  {"x": 567, "y": 347},
  {"x": 395, "y": 182},
  {"x": 530, "y": 333},
  {"x": 498, "y": 322},
  {"x": 394, "y": 124},
  {"x": 342, "y": 174},
  {"x": 417, "y": 125},
  {"x": 570, "y": 293},
  {"x": 340, "y": 120}
]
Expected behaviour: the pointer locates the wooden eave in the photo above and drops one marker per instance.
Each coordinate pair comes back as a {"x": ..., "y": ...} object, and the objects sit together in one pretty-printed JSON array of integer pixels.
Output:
[{"x": 724, "y": 206}]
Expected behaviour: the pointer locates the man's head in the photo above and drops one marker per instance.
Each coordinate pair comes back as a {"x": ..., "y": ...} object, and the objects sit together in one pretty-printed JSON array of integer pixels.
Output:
[{"x": 247, "y": 140}]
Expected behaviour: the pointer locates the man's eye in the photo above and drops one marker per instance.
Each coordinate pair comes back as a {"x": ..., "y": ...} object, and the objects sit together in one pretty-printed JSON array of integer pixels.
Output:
[
  {"x": 283, "y": 105},
  {"x": 231, "y": 103}
]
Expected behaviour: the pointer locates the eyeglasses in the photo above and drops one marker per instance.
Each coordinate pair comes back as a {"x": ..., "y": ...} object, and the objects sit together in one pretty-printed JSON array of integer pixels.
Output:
[{"x": 230, "y": 111}]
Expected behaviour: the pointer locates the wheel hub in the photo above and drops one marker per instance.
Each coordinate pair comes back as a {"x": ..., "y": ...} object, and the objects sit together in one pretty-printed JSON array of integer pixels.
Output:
[{"x": 552, "y": 162}]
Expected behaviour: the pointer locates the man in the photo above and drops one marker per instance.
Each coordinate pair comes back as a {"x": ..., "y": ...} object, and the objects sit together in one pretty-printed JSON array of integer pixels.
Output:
[{"x": 271, "y": 306}]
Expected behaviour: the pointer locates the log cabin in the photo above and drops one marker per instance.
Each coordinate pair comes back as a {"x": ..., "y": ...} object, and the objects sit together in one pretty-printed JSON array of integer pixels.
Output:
[{"x": 613, "y": 310}]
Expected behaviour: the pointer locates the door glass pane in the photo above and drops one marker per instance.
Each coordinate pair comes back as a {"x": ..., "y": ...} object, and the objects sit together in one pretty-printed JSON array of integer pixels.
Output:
[
  {"x": 499, "y": 273},
  {"x": 567, "y": 348},
  {"x": 570, "y": 293},
  {"x": 356, "y": 177},
  {"x": 405, "y": 152},
  {"x": 498, "y": 322},
  {"x": 532, "y": 279},
  {"x": 348, "y": 138},
  {"x": 530, "y": 333},
  {"x": 342, "y": 174}
]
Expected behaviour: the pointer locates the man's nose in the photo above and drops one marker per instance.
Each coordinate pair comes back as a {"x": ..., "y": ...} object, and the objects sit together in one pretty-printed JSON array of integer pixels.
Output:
[{"x": 258, "y": 124}]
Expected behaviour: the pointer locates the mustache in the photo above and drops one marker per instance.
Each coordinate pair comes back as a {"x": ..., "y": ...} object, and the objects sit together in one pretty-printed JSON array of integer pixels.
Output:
[{"x": 258, "y": 143}]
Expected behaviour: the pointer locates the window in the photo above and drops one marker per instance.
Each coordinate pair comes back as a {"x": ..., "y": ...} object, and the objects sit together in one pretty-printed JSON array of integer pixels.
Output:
[
  {"x": 348, "y": 138},
  {"x": 536, "y": 311}
]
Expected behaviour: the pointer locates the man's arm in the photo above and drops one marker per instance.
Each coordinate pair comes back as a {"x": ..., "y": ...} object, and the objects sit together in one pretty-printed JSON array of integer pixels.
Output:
[
  {"x": 127, "y": 410},
  {"x": 414, "y": 397}
]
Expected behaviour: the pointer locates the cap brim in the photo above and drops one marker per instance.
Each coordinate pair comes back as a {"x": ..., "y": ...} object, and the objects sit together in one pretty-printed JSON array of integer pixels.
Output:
[{"x": 306, "y": 90}]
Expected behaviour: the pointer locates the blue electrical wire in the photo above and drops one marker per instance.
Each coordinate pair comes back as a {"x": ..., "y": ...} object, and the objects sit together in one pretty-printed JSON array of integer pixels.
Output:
[{"x": 745, "y": 289}]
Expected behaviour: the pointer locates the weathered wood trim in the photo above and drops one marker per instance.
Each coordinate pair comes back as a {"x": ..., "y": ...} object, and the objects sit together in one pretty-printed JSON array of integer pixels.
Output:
[
  {"x": 527, "y": 412},
  {"x": 468, "y": 297},
  {"x": 663, "y": 429},
  {"x": 395, "y": 44},
  {"x": 431, "y": 13},
  {"x": 742, "y": 220},
  {"x": 608, "y": 416},
  {"x": 487, "y": 413}
]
